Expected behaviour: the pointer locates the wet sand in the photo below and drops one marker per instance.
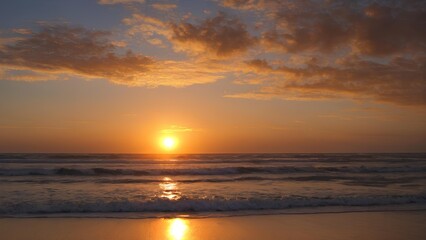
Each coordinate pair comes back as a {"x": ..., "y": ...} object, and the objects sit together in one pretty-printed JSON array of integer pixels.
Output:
[{"x": 357, "y": 225}]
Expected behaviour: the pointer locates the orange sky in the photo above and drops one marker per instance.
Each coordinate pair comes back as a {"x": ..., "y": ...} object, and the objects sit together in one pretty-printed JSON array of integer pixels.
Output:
[{"x": 219, "y": 76}]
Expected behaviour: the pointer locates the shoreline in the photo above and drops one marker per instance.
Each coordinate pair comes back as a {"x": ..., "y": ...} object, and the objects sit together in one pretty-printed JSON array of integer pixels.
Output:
[
  {"x": 224, "y": 214},
  {"x": 390, "y": 225}
]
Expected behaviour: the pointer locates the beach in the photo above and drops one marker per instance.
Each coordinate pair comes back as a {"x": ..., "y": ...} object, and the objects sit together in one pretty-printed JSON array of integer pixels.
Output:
[{"x": 393, "y": 225}]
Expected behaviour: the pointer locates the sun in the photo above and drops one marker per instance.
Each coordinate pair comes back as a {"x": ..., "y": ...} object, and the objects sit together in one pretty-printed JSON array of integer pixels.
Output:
[{"x": 169, "y": 143}]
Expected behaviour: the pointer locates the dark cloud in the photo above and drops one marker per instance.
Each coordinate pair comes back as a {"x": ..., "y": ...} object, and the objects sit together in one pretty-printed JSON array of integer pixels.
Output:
[
  {"x": 323, "y": 34},
  {"x": 369, "y": 27},
  {"x": 252, "y": 4},
  {"x": 259, "y": 65},
  {"x": 381, "y": 46},
  {"x": 163, "y": 6},
  {"x": 383, "y": 30},
  {"x": 74, "y": 50},
  {"x": 110, "y": 2},
  {"x": 373, "y": 29},
  {"x": 239, "y": 4},
  {"x": 60, "y": 50},
  {"x": 221, "y": 36},
  {"x": 400, "y": 81}
]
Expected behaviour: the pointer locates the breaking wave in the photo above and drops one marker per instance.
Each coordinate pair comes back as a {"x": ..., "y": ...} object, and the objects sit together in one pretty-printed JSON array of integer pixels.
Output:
[
  {"x": 201, "y": 205},
  {"x": 206, "y": 171}
]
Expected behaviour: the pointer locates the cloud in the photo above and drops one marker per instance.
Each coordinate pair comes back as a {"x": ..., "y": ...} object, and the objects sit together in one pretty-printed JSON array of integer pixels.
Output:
[
  {"x": 220, "y": 36},
  {"x": 22, "y": 31},
  {"x": 302, "y": 50},
  {"x": 4, "y": 41},
  {"x": 138, "y": 18},
  {"x": 28, "y": 75},
  {"x": 156, "y": 42},
  {"x": 66, "y": 50},
  {"x": 109, "y": 2},
  {"x": 252, "y": 4},
  {"x": 249, "y": 81},
  {"x": 239, "y": 4},
  {"x": 367, "y": 27},
  {"x": 384, "y": 30},
  {"x": 150, "y": 29},
  {"x": 120, "y": 44},
  {"x": 370, "y": 27},
  {"x": 259, "y": 65},
  {"x": 373, "y": 50},
  {"x": 400, "y": 81},
  {"x": 176, "y": 129},
  {"x": 164, "y": 6},
  {"x": 74, "y": 50},
  {"x": 183, "y": 73}
]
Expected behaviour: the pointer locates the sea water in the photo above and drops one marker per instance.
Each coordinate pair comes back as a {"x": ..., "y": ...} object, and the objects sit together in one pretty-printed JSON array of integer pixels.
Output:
[{"x": 201, "y": 184}]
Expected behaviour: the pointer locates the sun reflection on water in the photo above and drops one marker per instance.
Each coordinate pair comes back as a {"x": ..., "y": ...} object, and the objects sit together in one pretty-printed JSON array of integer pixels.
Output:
[
  {"x": 177, "y": 229},
  {"x": 169, "y": 189}
]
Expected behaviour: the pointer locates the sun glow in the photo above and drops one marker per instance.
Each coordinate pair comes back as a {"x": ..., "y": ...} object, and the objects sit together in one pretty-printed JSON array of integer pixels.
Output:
[{"x": 169, "y": 143}]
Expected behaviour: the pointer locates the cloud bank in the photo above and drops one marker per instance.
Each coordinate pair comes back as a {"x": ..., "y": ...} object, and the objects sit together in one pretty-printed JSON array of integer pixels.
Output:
[
  {"x": 294, "y": 50},
  {"x": 64, "y": 49},
  {"x": 221, "y": 36},
  {"x": 353, "y": 49},
  {"x": 399, "y": 81}
]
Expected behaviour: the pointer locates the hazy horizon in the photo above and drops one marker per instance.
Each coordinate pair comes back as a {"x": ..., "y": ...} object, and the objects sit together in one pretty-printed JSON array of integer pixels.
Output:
[{"x": 207, "y": 153}]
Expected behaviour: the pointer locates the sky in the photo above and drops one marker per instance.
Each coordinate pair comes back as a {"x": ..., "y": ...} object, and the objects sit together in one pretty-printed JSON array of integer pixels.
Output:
[{"x": 219, "y": 76}]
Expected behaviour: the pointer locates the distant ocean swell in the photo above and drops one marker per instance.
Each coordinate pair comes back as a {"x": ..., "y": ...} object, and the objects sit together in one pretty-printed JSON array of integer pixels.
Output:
[
  {"x": 346, "y": 180},
  {"x": 201, "y": 205},
  {"x": 207, "y": 171},
  {"x": 137, "y": 159}
]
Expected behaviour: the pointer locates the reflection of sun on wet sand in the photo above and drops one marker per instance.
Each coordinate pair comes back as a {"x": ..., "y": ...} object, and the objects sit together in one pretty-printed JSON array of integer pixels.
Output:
[
  {"x": 328, "y": 226},
  {"x": 177, "y": 229}
]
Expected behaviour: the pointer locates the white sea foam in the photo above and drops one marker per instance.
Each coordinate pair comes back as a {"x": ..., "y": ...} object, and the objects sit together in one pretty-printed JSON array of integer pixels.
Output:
[
  {"x": 205, "y": 171},
  {"x": 201, "y": 205}
]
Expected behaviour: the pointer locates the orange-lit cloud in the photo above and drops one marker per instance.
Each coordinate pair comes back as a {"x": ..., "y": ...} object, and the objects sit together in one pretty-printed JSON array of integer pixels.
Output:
[
  {"x": 153, "y": 30},
  {"x": 400, "y": 81},
  {"x": 62, "y": 49},
  {"x": 301, "y": 49},
  {"x": 374, "y": 29},
  {"x": 74, "y": 50},
  {"x": 22, "y": 30},
  {"x": 357, "y": 50},
  {"x": 176, "y": 129},
  {"x": 4, "y": 41},
  {"x": 106, "y": 2},
  {"x": 28, "y": 75},
  {"x": 252, "y": 4},
  {"x": 220, "y": 36},
  {"x": 164, "y": 6},
  {"x": 368, "y": 27}
]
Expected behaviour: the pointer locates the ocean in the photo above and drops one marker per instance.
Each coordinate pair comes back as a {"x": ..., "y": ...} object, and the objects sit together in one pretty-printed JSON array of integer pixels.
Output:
[{"x": 199, "y": 185}]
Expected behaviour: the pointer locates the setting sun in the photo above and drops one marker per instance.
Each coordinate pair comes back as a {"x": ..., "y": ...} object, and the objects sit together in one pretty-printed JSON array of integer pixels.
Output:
[{"x": 169, "y": 143}]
